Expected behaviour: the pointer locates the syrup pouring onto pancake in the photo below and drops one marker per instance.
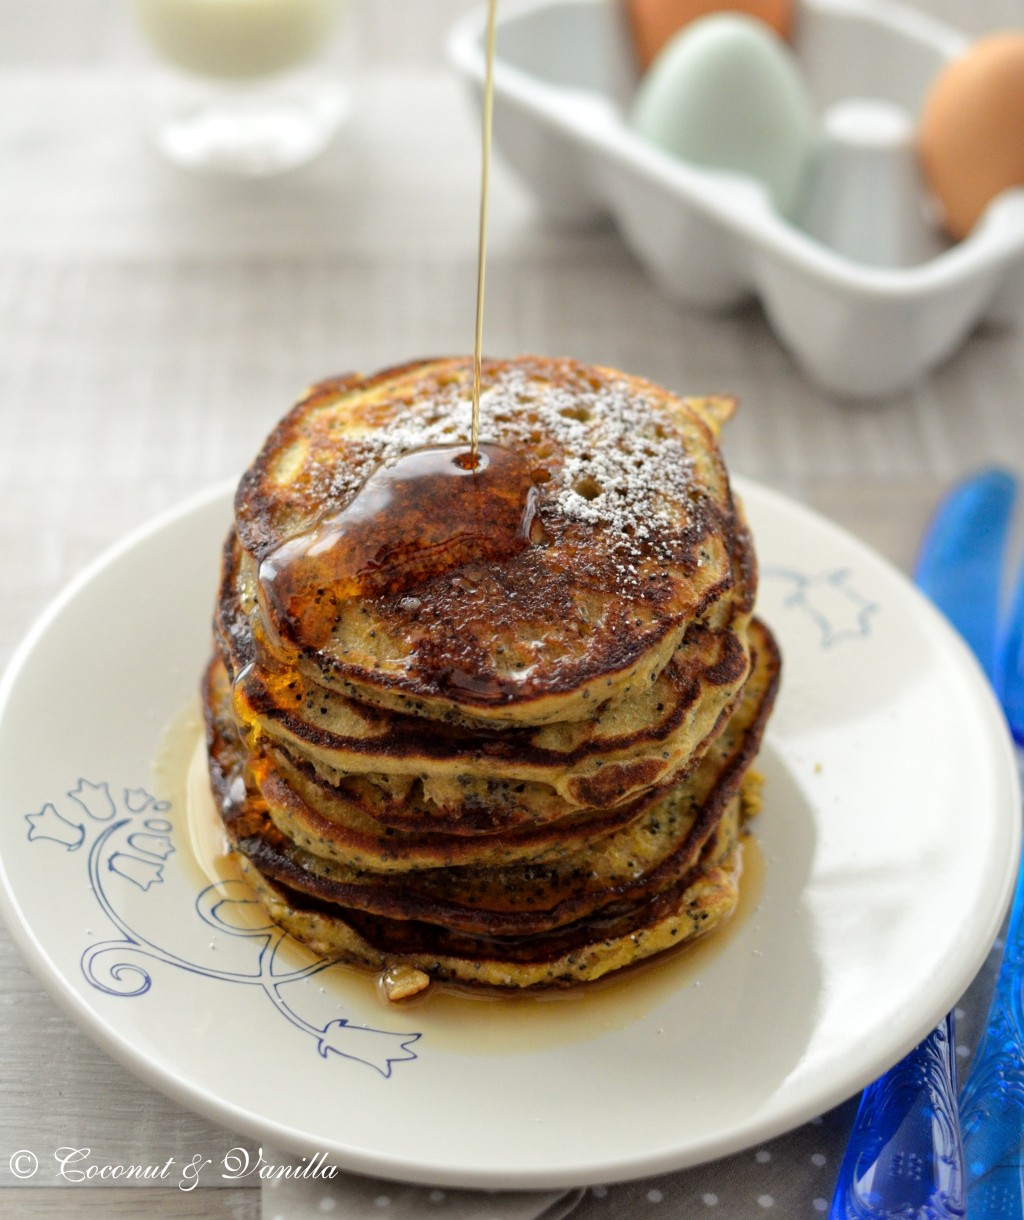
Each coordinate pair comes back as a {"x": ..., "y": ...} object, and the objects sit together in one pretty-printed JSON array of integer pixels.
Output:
[
  {"x": 380, "y": 581},
  {"x": 432, "y": 510},
  {"x": 481, "y": 253}
]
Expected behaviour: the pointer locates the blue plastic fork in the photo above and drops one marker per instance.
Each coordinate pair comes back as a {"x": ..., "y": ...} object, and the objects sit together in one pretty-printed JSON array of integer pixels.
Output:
[{"x": 905, "y": 1159}]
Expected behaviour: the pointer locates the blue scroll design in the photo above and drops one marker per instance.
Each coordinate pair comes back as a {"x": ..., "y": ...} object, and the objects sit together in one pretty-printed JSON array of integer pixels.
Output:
[{"x": 130, "y": 840}]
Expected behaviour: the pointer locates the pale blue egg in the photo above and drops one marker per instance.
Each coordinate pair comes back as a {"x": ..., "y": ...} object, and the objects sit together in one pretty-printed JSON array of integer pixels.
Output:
[{"x": 727, "y": 93}]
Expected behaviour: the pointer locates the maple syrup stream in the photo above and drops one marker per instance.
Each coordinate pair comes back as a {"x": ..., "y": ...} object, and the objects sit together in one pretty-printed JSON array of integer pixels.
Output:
[
  {"x": 481, "y": 255},
  {"x": 415, "y": 518}
]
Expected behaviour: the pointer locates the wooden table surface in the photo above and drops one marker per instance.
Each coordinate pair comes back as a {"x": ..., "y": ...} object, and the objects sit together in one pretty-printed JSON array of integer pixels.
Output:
[{"x": 154, "y": 325}]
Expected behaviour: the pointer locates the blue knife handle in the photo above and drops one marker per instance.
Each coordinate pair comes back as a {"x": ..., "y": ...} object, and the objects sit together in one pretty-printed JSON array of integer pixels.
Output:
[
  {"x": 1008, "y": 678},
  {"x": 960, "y": 562},
  {"x": 903, "y": 1159},
  {"x": 992, "y": 1102}
]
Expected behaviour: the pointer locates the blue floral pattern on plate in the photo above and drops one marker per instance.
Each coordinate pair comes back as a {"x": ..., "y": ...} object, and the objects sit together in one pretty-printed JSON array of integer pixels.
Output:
[
  {"x": 829, "y": 601},
  {"x": 129, "y": 840}
]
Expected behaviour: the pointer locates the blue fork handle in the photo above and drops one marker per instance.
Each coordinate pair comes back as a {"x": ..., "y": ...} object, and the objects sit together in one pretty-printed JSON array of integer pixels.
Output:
[
  {"x": 903, "y": 1158},
  {"x": 992, "y": 1103}
]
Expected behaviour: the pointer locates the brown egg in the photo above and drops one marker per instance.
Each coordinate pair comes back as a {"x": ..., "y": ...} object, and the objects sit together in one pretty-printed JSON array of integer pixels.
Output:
[
  {"x": 971, "y": 131},
  {"x": 653, "y": 22}
]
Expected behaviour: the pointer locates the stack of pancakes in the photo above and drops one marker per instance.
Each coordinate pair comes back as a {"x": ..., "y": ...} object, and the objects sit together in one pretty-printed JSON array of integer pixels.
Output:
[{"x": 513, "y": 766}]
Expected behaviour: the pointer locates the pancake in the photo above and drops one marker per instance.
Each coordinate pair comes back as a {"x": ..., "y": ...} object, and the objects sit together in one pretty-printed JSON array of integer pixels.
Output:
[
  {"x": 639, "y": 538},
  {"x": 332, "y": 822},
  {"x": 592, "y": 868},
  {"x": 499, "y": 812},
  {"x": 583, "y": 952},
  {"x": 316, "y": 818},
  {"x": 640, "y": 742},
  {"x": 489, "y": 720}
]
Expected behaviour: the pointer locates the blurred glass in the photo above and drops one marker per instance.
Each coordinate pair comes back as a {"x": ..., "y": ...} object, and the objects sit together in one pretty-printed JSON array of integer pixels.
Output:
[{"x": 245, "y": 88}]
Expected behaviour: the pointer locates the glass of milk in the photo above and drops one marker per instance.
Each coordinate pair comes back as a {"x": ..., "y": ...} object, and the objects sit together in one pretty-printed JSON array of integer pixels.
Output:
[{"x": 247, "y": 88}]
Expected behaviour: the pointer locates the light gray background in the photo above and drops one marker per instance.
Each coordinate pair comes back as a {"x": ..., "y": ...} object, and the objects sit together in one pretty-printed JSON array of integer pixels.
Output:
[{"x": 153, "y": 326}]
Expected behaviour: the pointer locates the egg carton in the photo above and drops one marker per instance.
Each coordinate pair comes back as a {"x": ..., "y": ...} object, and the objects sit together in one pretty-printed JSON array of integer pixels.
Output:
[{"x": 864, "y": 292}]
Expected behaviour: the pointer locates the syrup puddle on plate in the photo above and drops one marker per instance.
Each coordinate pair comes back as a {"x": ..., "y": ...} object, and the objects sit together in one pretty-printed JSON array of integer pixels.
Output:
[{"x": 449, "y": 1018}]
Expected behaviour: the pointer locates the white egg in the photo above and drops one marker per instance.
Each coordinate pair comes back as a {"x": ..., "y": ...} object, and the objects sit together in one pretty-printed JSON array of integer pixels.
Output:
[{"x": 727, "y": 93}]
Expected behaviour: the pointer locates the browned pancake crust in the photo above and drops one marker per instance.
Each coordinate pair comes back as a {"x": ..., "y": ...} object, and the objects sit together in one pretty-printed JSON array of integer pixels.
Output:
[
  {"x": 367, "y": 833},
  {"x": 286, "y": 711},
  {"x": 520, "y": 899},
  {"x": 579, "y": 953},
  {"x": 504, "y": 775},
  {"x": 548, "y": 632}
]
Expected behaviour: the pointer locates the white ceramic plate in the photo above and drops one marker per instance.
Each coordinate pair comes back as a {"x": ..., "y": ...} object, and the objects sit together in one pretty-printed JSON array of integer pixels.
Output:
[{"x": 888, "y": 839}]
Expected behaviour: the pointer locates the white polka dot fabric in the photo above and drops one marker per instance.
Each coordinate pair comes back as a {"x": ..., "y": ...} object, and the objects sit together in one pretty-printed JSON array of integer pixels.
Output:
[{"x": 348, "y": 1197}]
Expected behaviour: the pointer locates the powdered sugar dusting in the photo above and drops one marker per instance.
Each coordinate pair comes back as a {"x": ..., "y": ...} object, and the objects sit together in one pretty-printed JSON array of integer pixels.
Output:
[{"x": 617, "y": 462}]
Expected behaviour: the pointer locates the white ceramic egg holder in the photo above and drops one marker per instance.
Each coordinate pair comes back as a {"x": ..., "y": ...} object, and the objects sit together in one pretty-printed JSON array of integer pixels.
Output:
[{"x": 865, "y": 293}]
